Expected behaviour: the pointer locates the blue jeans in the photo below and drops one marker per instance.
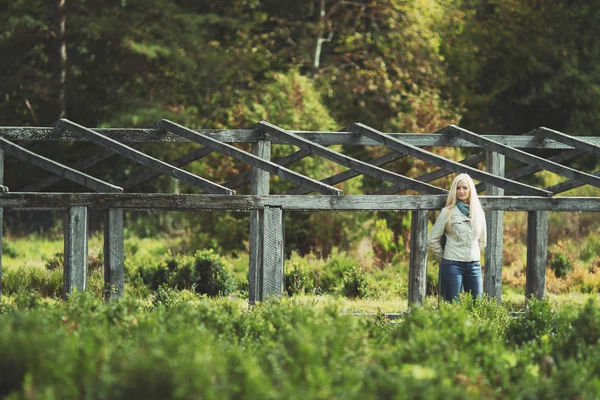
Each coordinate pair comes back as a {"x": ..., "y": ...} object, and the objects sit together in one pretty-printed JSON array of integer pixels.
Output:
[{"x": 457, "y": 274}]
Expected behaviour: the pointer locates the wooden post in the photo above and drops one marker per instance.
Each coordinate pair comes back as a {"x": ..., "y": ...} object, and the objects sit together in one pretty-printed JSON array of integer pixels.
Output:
[
  {"x": 114, "y": 253},
  {"x": 259, "y": 186},
  {"x": 271, "y": 279},
  {"x": 1, "y": 216},
  {"x": 492, "y": 281},
  {"x": 417, "y": 276},
  {"x": 537, "y": 254},
  {"x": 76, "y": 249}
]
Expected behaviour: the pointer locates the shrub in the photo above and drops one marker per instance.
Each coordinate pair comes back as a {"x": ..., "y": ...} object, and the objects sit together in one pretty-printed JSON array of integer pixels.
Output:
[
  {"x": 355, "y": 283},
  {"x": 537, "y": 320},
  {"x": 384, "y": 245},
  {"x": 57, "y": 261},
  {"x": 330, "y": 278},
  {"x": 9, "y": 250},
  {"x": 561, "y": 265},
  {"x": 297, "y": 280},
  {"x": 206, "y": 274}
]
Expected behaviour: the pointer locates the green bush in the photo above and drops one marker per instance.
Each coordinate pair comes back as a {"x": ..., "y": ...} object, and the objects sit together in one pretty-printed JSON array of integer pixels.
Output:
[
  {"x": 57, "y": 261},
  {"x": 206, "y": 274},
  {"x": 186, "y": 346},
  {"x": 561, "y": 265},
  {"x": 47, "y": 283},
  {"x": 329, "y": 278},
  {"x": 297, "y": 280},
  {"x": 355, "y": 283},
  {"x": 538, "y": 319},
  {"x": 384, "y": 245},
  {"x": 9, "y": 250}
]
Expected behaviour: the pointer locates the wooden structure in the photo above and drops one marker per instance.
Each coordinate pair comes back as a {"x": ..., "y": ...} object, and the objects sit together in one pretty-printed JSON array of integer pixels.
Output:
[{"x": 503, "y": 190}]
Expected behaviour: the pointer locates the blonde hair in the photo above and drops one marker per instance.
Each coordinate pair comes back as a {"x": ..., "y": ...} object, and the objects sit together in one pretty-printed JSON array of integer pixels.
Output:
[{"x": 476, "y": 212}]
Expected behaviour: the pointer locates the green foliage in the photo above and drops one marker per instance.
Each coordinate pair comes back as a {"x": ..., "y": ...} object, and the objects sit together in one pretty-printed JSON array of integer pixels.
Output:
[
  {"x": 590, "y": 247},
  {"x": 185, "y": 345},
  {"x": 33, "y": 280},
  {"x": 330, "y": 277},
  {"x": 57, "y": 261},
  {"x": 560, "y": 265},
  {"x": 355, "y": 283},
  {"x": 9, "y": 249},
  {"x": 384, "y": 244},
  {"x": 205, "y": 273},
  {"x": 536, "y": 321},
  {"x": 297, "y": 279}
]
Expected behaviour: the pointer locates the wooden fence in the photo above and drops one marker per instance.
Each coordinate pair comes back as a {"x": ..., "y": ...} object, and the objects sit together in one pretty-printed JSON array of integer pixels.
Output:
[{"x": 267, "y": 210}]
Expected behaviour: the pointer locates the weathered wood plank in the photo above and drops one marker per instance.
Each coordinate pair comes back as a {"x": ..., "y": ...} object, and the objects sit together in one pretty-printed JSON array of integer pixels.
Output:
[
  {"x": 133, "y": 135},
  {"x": 1, "y": 216},
  {"x": 349, "y": 174},
  {"x": 114, "y": 254},
  {"x": 493, "y": 255},
  {"x": 417, "y": 275},
  {"x": 523, "y": 156},
  {"x": 245, "y": 178},
  {"x": 349, "y": 162},
  {"x": 57, "y": 168},
  {"x": 583, "y": 145},
  {"x": 142, "y": 158},
  {"x": 258, "y": 186},
  {"x": 272, "y": 250},
  {"x": 249, "y": 158},
  {"x": 80, "y": 166},
  {"x": 147, "y": 175},
  {"x": 568, "y": 185},
  {"x": 189, "y": 202},
  {"x": 532, "y": 169},
  {"x": 76, "y": 250},
  {"x": 433, "y": 175},
  {"x": 537, "y": 254},
  {"x": 445, "y": 163}
]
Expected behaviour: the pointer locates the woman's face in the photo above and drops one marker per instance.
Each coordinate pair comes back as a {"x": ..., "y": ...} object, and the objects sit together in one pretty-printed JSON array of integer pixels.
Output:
[{"x": 462, "y": 191}]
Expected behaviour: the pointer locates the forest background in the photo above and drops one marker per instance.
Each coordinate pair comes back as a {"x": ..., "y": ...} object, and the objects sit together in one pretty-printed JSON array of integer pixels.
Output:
[{"x": 491, "y": 66}]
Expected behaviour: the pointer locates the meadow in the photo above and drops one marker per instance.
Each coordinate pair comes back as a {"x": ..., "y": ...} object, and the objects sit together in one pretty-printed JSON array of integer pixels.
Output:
[{"x": 343, "y": 329}]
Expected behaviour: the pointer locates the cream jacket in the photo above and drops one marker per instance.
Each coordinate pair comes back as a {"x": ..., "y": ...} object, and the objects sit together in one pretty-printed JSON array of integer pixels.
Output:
[{"x": 461, "y": 243}]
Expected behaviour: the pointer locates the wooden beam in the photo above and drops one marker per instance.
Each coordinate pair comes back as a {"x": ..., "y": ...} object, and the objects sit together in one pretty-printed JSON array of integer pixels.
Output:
[
  {"x": 349, "y": 162},
  {"x": 259, "y": 186},
  {"x": 417, "y": 276},
  {"x": 577, "y": 143},
  {"x": 146, "y": 175},
  {"x": 57, "y": 168},
  {"x": 433, "y": 175},
  {"x": 493, "y": 255},
  {"x": 190, "y": 202},
  {"x": 54, "y": 179},
  {"x": 246, "y": 178},
  {"x": 244, "y": 156},
  {"x": 1, "y": 216},
  {"x": 537, "y": 254},
  {"x": 144, "y": 159},
  {"x": 523, "y": 156},
  {"x": 76, "y": 250},
  {"x": 349, "y": 174},
  {"x": 144, "y": 135},
  {"x": 532, "y": 169},
  {"x": 445, "y": 163},
  {"x": 568, "y": 185},
  {"x": 271, "y": 273},
  {"x": 114, "y": 254},
  {"x": 80, "y": 166}
]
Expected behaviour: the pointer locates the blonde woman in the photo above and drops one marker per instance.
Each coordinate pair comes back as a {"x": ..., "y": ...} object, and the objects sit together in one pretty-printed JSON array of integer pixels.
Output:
[{"x": 463, "y": 223}]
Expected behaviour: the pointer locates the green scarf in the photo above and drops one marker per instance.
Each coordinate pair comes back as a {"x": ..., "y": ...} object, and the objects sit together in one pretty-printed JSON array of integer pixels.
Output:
[{"x": 464, "y": 208}]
